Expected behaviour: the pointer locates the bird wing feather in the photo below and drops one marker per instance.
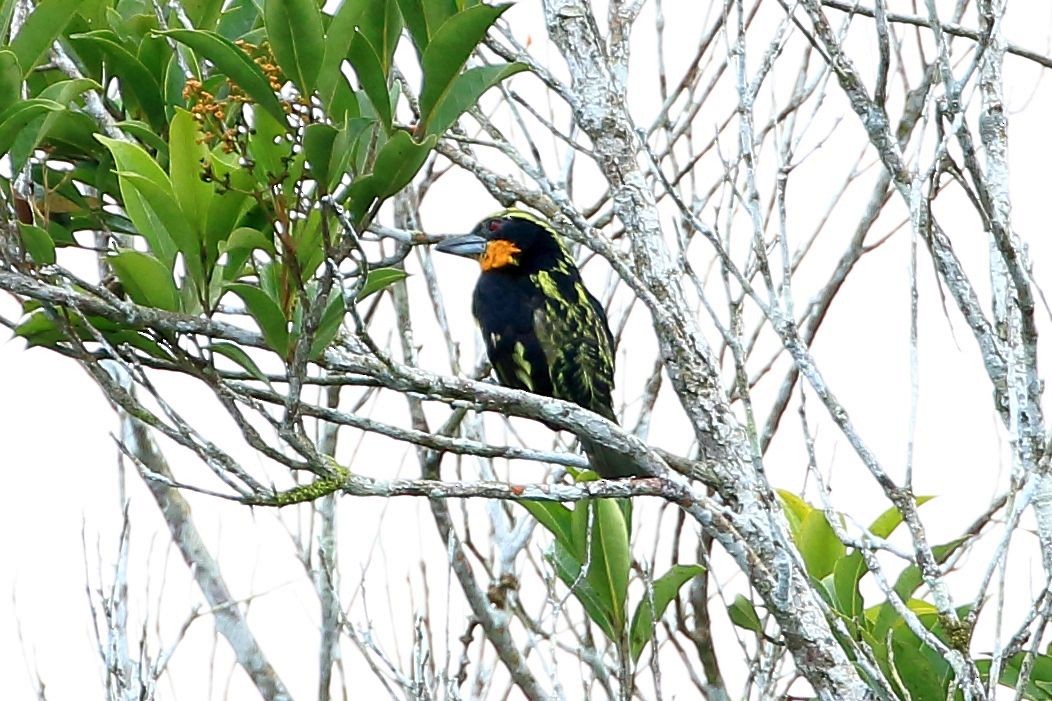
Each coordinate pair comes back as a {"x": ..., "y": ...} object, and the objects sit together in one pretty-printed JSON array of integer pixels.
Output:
[{"x": 576, "y": 342}]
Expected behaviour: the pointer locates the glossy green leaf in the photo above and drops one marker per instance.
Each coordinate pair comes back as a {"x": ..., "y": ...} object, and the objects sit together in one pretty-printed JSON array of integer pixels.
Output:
[
  {"x": 464, "y": 92},
  {"x": 239, "y": 17},
  {"x": 910, "y": 579},
  {"x": 225, "y": 212},
  {"x": 378, "y": 279},
  {"x": 887, "y": 522},
  {"x": 203, "y": 13},
  {"x": 847, "y": 573},
  {"x": 268, "y": 147},
  {"x": 235, "y": 64},
  {"x": 655, "y": 601},
  {"x": 10, "y": 79},
  {"x": 743, "y": 614},
  {"x": 37, "y": 243},
  {"x": 146, "y": 280},
  {"x": 188, "y": 154},
  {"x": 43, "y": 26},
  {"x": 367, "y": 67},
  {"x": 63, "y": 92},
  {"x": 568, "y": 569},
  {"x": 267, "y": 313},
  {"x": 138, "y": 85},
  {"x": 147, "y": 136},
  {"x": 329, "y": 324},
  {"x": 149, "y": 200},
  {"x": 295, "y": 32},
  {"x": 239, "y": 356},
  {"x": 227, "y": 168},
  {"x": 19, "y": 115},
  {"x": 338, "y": 38},
  {"x": 307, "y": 242},
  {"x": 819, "y": 545},
  {"x": 1039, "y": 684},
  {"x": 924, "y": 675},
  {"x": 795, "y": 509},
  {"x": 60, "y": 235},
  {"x": 449, "y": 49},
  {"x": 416, "y": 22},
  {"x": 611, "y": 558},
  {"x": 7, "y": 9},
  {"x": 318, "y": 140},
  {"x": 437, "y": 12},
  {"x": 396, "y": 164},
  {"x": 39, "y": 329},
  {"x": 381, "y": 23},
  {"x": 553, "y": 516},
  {"x": 165, "y": 212},
  {"x": 249, "y": 239}
]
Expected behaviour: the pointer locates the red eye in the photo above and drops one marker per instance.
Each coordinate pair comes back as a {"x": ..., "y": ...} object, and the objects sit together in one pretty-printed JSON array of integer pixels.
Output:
[{"x": 493, "y": 225}]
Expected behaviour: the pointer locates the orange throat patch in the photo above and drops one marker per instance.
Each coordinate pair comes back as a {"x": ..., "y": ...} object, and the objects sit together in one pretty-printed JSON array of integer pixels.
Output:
[{"x": 499, "y": 253}]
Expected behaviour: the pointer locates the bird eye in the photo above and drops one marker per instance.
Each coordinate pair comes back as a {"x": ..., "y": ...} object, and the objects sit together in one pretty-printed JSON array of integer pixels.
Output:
[{"x": 493, "y": 225}]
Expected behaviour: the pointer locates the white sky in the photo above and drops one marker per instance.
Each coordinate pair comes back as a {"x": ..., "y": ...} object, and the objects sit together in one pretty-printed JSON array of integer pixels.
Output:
[{"x": 58, "y": 458}]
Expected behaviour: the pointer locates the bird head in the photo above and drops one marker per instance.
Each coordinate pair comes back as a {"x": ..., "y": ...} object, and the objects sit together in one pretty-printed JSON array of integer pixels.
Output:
[{"x": 509, "y": 238}]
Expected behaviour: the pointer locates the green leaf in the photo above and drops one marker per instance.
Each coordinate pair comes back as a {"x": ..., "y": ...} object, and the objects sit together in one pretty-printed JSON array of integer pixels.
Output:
[
  {"x": 267, "y": 313},
  {"x": 910, "y": 579},
  {"x": 62, "y": 122},
  {"x": 235, "y": 64},
  {"x": 39, "y": 329},
  {"x": 239, "y": 356},
  {"x": 923, "y": 674},
  {"x": 416, "y": 22},
  {"x": 146, "y": 280},
  {"x": 1039, "y": 684},
  {"x": 329, "y": 325},
  {"x": 819, "y": 545},
  {"x": 268, "y": 147},
  {"x": 371, "y": 76},
  {"x": 611, "y": 559},
  {"x": 138, "y": 84},
  {"x": 338, "y": 38},
  {"x": 238, "y": 19},
  {"x": 465, "y": 91},
  {"x": 188, "y": 153},
  {"x": 796, "y": 510},
  {"x": 37, "y": 243},
  {"x": 381, "y": 23},
  {"x": 203, "y": 13},
  {"x": 164, "y": 211},
  {"x": 568, "y": 568},
  {"x": 655, "y": 601},
  {"x": 553, "y": 516},
  {"x": 847, "y": 573},
  {"x": 743, "y": 614},
  {"x": 249, "y": 239},
  {"x": 19, "y": 115},
  {"x": 295, "y": 32},
  {"x": 149, "y": 199},
  {"x": 396, "y": 164},
  {"x": 378, "y": 279},
  {"x": 887, "y": 522},
  {"x": 10, "y": 79},
  {"x": 43, "y": 26},
  {"x": 437, "y": 12},
  {"x": 318, "y": 140},
  {"x": 146, "y": 135},
  {"x": 449, "y": 49}
]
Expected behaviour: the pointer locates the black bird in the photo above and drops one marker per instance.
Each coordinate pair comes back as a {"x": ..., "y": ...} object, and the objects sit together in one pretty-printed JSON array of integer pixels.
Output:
[{"x": 544, "y": 331}]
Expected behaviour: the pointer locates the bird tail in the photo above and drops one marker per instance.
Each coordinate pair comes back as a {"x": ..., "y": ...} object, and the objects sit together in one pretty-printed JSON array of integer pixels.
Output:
[{"x": 609, "y": 463}]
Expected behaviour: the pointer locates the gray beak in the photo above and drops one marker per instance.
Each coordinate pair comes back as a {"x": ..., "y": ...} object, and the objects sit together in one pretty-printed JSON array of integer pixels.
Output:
[{"x": 468, "y": 245}]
